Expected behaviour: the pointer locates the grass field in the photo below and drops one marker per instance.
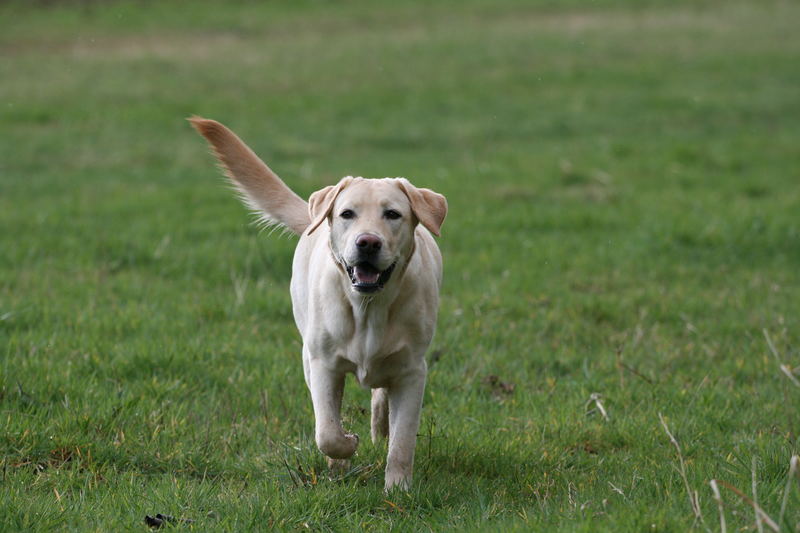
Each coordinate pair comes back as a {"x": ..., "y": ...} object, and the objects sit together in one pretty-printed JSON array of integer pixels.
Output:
[{"x": 623, "y": 180}]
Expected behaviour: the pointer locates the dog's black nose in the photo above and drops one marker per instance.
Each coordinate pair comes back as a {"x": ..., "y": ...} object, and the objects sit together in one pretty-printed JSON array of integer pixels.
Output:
[{"x": 368, "y": 243}]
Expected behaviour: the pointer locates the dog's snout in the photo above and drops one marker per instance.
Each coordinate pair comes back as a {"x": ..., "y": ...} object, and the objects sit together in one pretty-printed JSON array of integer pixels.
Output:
[{"x": 368, "y": 243}]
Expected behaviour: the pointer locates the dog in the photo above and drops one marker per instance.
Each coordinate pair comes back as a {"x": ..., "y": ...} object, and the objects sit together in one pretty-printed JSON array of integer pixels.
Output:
[{"x": 365, "y": 287}]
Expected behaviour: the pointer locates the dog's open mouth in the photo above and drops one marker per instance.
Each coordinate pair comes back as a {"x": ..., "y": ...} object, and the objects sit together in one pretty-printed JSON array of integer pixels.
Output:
[{"x": 366, "y": 278}]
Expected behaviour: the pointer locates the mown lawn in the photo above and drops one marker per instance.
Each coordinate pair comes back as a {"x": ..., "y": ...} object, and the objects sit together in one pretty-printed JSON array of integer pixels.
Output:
[{"x": 624, "y": 183}]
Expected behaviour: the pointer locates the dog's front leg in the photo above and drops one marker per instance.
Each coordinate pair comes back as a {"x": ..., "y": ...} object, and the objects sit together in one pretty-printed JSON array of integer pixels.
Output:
[
  {"x": 326, "y": 387},
  {"x": 405, "y": 404}
]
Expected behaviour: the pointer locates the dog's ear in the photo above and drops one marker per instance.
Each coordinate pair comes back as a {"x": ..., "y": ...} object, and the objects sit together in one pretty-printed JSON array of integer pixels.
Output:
[
  {"x": 321, "y": 202},
  {"x": 429, "y": 207}
]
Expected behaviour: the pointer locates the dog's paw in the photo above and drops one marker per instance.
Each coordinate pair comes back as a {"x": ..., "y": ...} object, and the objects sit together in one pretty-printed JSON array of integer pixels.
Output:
[
  {"x": 340, "y": 446},
  {"x": 396, "y": 482},
  {"x": 352, "y": 440},
  {"x": 338, "y": 467}
]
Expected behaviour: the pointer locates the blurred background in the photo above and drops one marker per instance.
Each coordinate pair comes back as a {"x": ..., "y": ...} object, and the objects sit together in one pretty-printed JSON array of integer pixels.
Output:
[{"x": 623, "y": 187}]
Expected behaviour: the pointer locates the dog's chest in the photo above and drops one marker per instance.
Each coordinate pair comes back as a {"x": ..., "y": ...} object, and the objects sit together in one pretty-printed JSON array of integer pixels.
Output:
[{"x": 368, "y": 345}]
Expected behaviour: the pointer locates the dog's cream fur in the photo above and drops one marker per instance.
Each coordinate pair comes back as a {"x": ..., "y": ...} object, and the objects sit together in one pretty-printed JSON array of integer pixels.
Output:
[{"x": 381, "y": 335}]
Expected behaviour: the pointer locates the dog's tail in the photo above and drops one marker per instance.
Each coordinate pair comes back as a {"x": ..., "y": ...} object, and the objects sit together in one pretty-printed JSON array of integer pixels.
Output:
[{"x": 261, "y": 189}]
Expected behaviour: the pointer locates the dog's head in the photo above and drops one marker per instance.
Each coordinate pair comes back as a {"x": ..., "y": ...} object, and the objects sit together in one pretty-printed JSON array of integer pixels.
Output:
[{"x": 372, "y": 224}]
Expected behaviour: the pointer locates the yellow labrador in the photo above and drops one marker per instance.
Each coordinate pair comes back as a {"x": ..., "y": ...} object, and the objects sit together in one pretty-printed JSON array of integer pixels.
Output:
[{"x": 365, "y": 292}]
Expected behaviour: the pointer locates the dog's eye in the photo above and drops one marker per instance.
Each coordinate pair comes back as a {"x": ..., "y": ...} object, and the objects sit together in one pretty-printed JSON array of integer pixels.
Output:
[
  {"x": 391, "y": 214},
  {"x": 347, "y": 214}
]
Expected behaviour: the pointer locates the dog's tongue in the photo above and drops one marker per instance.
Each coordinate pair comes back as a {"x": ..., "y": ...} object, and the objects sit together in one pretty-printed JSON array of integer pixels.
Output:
[{"x": 366, "y": 274}]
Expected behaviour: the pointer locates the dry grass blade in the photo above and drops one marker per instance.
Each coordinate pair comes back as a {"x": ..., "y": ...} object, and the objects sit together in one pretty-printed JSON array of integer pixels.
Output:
[
  {"x": 715, "y": 490},
  {"x": 617, "y": 490},
  {"x": 693, "y": 498},
  {"x": 759, "y": 526},
  {"x": 793, "y": 464},
  {"x": 596, "y": 397},
  {"x": 764, "y": 516},
  {"x": 786, "y": 369},
  {"x": 621, "y": 365}
]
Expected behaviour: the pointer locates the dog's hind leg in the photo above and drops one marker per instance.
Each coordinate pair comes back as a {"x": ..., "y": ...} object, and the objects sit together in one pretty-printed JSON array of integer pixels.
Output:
[{"x": 380, "y": 415}]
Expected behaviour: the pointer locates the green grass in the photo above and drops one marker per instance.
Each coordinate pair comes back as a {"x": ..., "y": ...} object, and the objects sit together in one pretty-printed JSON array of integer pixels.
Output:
[{"x": 623, "y": 188}]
